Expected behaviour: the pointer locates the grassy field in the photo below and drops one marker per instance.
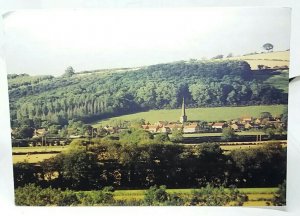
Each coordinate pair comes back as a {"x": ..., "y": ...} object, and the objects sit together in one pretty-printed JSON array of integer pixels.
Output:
[
  {"x": 32, "y": 158},
  {"x": 257, "y": 196},
  {"x": 270, "y": 59},
  {"x": 38, "y": 149},
  {"x": 204, "y": 114}
]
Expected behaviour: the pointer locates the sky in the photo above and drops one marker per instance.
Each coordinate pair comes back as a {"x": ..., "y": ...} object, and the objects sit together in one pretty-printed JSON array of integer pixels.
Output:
[{"x": 48, "y": 41}]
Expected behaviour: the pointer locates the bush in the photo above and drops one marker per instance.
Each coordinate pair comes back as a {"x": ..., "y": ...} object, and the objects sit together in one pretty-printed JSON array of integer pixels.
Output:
[
  {"x": 32, "y": 195},
  {"x": 211, "y": 196}
]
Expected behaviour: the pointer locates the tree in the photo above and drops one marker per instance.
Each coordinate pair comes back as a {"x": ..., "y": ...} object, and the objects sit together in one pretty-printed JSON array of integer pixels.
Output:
[
  {"x": 229, "y": 55},
  {"x": 156, "y": 195},
  {"x": 24, "y": 132},
  {"x": 268, "y": 46},
  {"x": 80, "y": 169},
  {"x": 217, "y": 196},
  {"x": 280, "y": 196},
  {"x": 218, "y": 57},
  {"x": 284, "y": 118},
  {"x": 265, "y": 115},
  {"x": 69, "y": 72},
  {"x": 228, "y": 134},
  {"x": 177, "y": 135}
]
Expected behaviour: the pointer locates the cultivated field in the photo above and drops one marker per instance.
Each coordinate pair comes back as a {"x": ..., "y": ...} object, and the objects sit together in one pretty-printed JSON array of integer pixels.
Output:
[
  {"x": 203, "y": 114},
  {"x": 270, "y": 59}
]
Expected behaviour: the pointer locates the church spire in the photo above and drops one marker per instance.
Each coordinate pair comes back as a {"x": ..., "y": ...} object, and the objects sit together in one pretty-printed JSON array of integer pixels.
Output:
[{"x": 183, "y": 117}]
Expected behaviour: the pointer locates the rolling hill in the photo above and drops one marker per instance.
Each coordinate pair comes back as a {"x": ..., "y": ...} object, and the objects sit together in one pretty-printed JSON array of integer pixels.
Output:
[{"x": 101, "y": 94}]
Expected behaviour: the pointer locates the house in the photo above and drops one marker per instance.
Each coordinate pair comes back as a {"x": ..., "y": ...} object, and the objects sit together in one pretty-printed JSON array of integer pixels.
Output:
[
  {"x": 219, "y": 125},
  {"x": 237, "y": 127},
  {"x": 248, "y": 125},
  {"x": 192, "y": 128},
  {"x": 246, "y": 119},
  {"x": 39, "y": 132}
]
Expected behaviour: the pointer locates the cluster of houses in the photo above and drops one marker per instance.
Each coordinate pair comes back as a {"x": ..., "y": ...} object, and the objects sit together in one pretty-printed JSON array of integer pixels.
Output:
[{"x": 242, "y": 124}]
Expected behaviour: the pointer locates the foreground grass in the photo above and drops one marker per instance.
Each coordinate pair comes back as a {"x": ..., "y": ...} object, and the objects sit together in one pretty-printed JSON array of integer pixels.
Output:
[{"x": 203, "y": 114}]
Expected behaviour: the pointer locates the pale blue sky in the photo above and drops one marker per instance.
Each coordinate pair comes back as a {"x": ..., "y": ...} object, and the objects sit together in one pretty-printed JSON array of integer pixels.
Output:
[{"x": 47, "y": 41}]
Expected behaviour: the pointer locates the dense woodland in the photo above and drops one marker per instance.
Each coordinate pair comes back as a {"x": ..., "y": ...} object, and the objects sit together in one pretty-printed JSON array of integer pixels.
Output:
[
  {"x": 108, "y": 162},
  {"x": 91, "y": 96}
]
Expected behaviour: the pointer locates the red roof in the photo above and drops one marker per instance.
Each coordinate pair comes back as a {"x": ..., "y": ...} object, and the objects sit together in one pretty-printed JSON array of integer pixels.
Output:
[{"x": 219, "y": 124}]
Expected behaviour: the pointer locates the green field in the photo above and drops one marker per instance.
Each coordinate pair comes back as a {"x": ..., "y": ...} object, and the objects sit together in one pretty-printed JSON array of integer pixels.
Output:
[
  {"x": 257, "y": 196},
  {"x": 31, "y": 154},
  {"x": 39, "y": 149},
  {"x": 204, "y": 114},
  {"x": 32, "y": 158}
]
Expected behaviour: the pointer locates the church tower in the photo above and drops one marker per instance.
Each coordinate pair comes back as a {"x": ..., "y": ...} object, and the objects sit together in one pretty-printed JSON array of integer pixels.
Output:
[{"x": 183, "y": 117}]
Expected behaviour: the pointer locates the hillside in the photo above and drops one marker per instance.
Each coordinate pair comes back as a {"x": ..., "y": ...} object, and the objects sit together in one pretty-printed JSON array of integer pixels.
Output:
[{"x": 114, "y": 92}]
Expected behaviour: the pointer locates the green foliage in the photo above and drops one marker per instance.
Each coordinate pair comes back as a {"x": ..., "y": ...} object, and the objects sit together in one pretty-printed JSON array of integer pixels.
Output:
[
  {"x": 177, "y": 135},
  {"x": 24, "y": 173},
  {"x": 136, "y": 136},
  {"x": 100, "y": 197},
  {"x": 270, "y": 132},
  {"x": 256, "y": 165},
  {"x": 80, "y": 168},
  {"x": 156, "y": 195},
  {"x": 69, "y": 72},
  {"x": 32, "y": 195},
  {"x": 228, "y": 134},
  {"x": 284, "y": 117},
  {"x": 280, "y": 196},
  {"x": 161, "y": 138},
  {"x": 24, "y": 132},
  {"x": 162, "y": 86},
  {"x": 211, "y": 196},
  {"x": 265, "y": 115}
]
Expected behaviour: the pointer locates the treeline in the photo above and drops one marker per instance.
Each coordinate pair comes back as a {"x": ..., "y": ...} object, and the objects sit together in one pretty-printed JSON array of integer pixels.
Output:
[
  {"x": 32, "y": 195},
  {"x": 107, "y": 162},
  {"x": 101, "y": 95}
]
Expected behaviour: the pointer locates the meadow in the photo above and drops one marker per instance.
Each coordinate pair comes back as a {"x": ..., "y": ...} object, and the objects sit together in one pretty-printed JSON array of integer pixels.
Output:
[{"x": 203, "y": 114}]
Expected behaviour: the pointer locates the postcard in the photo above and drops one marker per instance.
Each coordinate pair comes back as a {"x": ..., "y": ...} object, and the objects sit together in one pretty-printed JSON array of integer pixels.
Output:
[{"x": 149, "y": 107}]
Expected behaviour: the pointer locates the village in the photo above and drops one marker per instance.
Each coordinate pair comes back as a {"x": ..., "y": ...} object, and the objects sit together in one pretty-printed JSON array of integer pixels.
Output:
[{"x": 43, "y": 137}]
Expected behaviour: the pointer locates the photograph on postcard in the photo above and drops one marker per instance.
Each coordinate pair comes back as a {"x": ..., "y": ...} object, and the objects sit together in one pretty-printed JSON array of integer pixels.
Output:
[{"x": 149, "y": 107}]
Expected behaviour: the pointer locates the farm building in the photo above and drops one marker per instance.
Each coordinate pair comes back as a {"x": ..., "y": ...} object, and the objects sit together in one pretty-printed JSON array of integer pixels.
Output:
[{"x": 219, "y": 125}]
